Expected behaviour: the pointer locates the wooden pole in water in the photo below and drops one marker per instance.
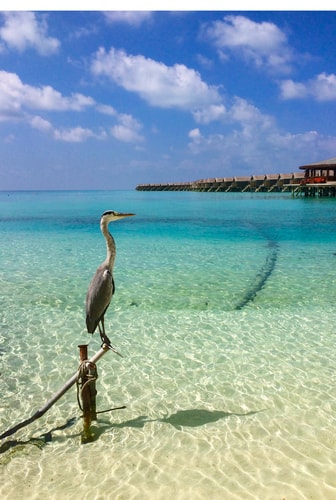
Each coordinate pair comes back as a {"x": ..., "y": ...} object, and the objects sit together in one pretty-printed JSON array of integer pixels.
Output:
[
  {"x": 85, "y": 389},
  {"x": 87, "y": 381},
  {"x": 55, "y": 397}
]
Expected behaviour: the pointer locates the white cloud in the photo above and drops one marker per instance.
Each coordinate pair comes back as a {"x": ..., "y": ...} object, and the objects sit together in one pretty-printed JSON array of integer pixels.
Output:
[
  {"x": 40, "y": 124},
  {"x": 17, "y": 97},
  {"x": 127, "y": 130},
  {"x": 195, "y": 135},
  {"x": 134, "y": 18},
  {"x": 160, "y": 85},
  {"x": 262, "y": 43},
  {"x": 257, "y": 145},
  {"x": 48, "y": 98},
  {"x": 210, "y": 113},
  {"x": 18, "y": 100},
  {"x": 106, "y": 109},
  {"x": 76, "y": 134},
  {"x": 320, "y": 88},
  {"x": 24, "y": 30},
  {"x": 248, "y": 115},
  {"x": 292, "y": 90},
  {"x": 324, "y": 87}
]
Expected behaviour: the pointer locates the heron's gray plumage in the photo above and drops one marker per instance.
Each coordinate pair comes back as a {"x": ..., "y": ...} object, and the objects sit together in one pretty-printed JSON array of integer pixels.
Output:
[
  {"x": 99, "y": 297},
  {"x": 101, "y": 288}
]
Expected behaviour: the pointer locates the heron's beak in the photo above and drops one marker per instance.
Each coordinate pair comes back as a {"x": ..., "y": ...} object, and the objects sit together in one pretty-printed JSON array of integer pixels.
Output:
[
  {"x": 118, "y": 216},
  {"x": 125, "y": 215}
]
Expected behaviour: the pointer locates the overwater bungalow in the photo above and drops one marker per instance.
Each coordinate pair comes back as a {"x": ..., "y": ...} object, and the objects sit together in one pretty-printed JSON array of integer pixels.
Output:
[
  {"x": 257, "y": 182},
  {"x": 318, "y": 179},
  {"x": 320, "y": 172}
]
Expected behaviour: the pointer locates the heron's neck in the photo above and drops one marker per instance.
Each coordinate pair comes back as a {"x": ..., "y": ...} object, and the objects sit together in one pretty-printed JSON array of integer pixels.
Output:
[{"x": 110, "y": 246}]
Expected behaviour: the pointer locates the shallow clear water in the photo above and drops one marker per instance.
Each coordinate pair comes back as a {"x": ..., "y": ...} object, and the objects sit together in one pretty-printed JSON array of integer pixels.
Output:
[{"x": 225, "y": 314}]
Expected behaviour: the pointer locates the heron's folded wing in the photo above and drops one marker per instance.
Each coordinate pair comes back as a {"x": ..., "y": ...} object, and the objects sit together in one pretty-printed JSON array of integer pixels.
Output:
[{"x": 98, "y": 298}]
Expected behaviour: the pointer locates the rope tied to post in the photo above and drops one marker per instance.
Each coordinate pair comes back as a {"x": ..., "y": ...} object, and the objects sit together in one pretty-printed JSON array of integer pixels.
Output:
[{"x": 87, "y": 374}]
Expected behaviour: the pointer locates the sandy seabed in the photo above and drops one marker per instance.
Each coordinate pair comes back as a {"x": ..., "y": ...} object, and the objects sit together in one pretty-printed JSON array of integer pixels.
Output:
[{"x": 221, "y": 412}]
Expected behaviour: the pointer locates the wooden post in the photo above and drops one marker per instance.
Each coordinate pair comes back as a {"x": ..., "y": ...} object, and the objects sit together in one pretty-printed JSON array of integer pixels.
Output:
[
  {"x": 93, "y": 394},
  {"x": 87, "y": 381},
  {"x": 83, "y": 352},
  {"x": 91, "y": 371}
]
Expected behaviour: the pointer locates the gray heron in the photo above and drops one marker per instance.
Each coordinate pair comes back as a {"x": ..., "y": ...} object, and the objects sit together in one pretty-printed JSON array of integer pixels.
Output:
[{"x": 102, "y": 286}]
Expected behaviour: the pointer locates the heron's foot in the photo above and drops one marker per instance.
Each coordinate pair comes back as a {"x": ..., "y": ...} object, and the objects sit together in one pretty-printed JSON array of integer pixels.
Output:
[{"x": 107, "y": 342}]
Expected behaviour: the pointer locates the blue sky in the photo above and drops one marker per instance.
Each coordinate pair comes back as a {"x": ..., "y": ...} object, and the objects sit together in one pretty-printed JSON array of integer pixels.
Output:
[{"x": 109, "y": 100}]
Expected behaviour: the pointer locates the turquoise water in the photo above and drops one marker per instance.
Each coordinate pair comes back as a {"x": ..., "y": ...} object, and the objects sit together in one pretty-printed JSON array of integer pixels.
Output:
[{"x": 224, "y": 312}]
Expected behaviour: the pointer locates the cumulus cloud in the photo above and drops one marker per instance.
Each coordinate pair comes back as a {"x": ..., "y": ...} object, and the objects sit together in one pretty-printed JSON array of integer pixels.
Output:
[
  {"x": 127, "y": 130},
  {"x": 48, "y": 98},
  {"x": 106, "y": 109},
  {"x": 133, "y": 18},
  {"x": 70, "y": 134},
  {"x": 23, "y": 30},
  {"x": 292, "y": 90},
  {"x": 249, "y": 116},
  {"x": 209, "y": 113},
  {"x": 159, "y": 85},
  {"x": 17, "y": 97},
  {"x": 76, "y": 134},
  {"x": 40, "y": 123},
  {"x": 195, "y": 135},
  {"x": 254, "y": 141},
  {"x": 320, "y": 88},
  {"x": 264, "y": 44},
  {"x": 19, "y": 101}
]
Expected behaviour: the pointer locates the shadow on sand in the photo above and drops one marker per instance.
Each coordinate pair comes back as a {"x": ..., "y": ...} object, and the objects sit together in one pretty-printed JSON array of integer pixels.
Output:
[
  {"x": 39, "y": 441},
  {"x": 196, "y": 417}
]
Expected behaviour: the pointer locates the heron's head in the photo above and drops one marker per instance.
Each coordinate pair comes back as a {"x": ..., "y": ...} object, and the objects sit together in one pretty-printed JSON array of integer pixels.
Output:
[{"x": 111, "y": 215}]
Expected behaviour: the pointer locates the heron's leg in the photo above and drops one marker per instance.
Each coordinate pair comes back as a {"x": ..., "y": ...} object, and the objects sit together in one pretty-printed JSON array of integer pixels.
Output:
[
  {"x": 103, "y": 325},
  {"x": 105, "y": 338},
  {"x": 102, "y": 333}
]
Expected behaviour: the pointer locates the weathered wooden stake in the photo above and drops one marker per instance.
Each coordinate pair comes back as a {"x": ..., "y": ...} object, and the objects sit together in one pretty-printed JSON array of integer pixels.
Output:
[
  {"x": 88, "y": 391},
  {"x": 93, "y": 394}
]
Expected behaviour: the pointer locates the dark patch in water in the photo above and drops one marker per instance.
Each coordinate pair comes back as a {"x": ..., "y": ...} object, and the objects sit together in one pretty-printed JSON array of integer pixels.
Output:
[{"x": 263, "y": 275}]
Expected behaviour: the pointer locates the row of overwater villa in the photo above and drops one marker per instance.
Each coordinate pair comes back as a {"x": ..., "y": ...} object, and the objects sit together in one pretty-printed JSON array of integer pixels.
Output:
[{"x": 314, "y": 179}]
